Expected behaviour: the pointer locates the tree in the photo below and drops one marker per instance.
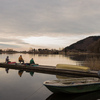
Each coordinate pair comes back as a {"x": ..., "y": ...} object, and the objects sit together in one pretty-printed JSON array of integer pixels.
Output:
[
  {"x": 31, "y": 49},
  {"x": 0, "y": 50},
  {"x": 95, "y": 47}
]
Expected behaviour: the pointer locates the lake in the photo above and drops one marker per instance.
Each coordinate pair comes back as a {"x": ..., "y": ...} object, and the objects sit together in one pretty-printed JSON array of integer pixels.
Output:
[{"x": 22, "y": 85}]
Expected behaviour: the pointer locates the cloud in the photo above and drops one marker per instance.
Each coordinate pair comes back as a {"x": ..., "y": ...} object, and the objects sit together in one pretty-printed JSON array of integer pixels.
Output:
[
  {"x": 47, "y": 42},
  {"x": 38, "y": 17},
  {"x": 62, "y": 18},
  {"x": 12, "y": 40},
  {"x": 8, "y": 46}
]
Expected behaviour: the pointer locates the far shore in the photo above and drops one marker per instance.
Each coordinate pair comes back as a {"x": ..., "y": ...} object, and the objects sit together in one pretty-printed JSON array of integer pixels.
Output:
[{"x": 54, "y": 52}]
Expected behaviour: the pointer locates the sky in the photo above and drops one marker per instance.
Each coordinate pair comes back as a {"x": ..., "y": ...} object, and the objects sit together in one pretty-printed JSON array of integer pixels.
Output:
[{"x": 52, "y": 24}]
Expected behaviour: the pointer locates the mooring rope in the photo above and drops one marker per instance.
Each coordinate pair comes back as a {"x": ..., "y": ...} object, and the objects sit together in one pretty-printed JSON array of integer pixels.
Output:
[{"x": 33, "y": 92}]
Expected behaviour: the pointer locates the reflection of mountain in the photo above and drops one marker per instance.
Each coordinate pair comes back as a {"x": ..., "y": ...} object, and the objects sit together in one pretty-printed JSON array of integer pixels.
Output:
[
  {"x": 82, "y": 57},
  {"x": 85, "y": 96},
  {"x": 78, "y": 57}
]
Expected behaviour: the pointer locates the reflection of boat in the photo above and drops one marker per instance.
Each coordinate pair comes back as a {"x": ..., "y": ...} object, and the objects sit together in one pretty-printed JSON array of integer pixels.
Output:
[
  {"x": 73, "y": 85},
  {"x": 73, "y": 67},
  {"x": 84, "y": 96},
  {"x": 20, "y": 72},
  {"x": 62, "y": 77}
]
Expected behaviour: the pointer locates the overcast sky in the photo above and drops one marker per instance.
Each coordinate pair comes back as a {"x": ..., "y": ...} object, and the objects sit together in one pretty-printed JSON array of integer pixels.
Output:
[{"x": 47, "y": 23}]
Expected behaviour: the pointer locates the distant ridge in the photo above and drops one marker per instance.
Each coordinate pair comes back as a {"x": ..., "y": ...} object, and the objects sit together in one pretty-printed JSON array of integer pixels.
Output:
[{"x": 86, "y": 44}]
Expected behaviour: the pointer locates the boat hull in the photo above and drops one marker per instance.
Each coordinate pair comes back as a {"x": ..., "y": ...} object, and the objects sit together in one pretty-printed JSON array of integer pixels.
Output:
[
  {"x": 72, "y": 67},
  {"x": 75, "y": 88}
]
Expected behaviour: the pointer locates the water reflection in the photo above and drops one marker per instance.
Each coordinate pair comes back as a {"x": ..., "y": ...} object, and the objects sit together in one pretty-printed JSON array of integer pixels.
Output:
[
  {"x": 6, "y": 69},
  {"x": 62, "y": 77},
  {"x": 78, "y": 57},
  {"x": 24, "y": 84},
  {"x": 85, "y": 96},
  {"x": 82, "y": 57},
  {"x": 20, "y": 72},
  {"x": 41, "y": 59},
  {"x": 31, "y": 73}
]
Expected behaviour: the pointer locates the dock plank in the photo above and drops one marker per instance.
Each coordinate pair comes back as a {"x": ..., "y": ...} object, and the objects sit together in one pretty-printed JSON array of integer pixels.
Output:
[{"x": 51, "y": 70}]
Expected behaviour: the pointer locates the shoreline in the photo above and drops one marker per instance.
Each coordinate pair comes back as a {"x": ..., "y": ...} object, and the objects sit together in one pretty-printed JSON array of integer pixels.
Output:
[{"x": 59, "y": 52}]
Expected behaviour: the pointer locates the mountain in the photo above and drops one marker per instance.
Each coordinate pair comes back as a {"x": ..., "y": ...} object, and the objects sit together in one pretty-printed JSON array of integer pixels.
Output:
[
  {"x": 95, "y": 47},
  {"x": 86, "y": 44}
]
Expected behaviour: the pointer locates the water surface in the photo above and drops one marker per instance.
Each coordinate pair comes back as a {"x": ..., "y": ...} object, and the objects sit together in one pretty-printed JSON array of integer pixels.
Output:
[{"x": 22, "y": 85}]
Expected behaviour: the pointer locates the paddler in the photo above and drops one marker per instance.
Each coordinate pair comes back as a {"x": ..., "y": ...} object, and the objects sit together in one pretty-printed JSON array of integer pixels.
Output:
[
  {"x": 7, "y": 60},
  {"x": 21, "y": 59},
  {"x": 32, "y": 61}
]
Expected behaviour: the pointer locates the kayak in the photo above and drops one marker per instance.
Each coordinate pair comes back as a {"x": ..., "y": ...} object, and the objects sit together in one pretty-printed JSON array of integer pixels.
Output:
[
  {"x": 72, "y": 67},
  {"x": 12, "y": 63}
]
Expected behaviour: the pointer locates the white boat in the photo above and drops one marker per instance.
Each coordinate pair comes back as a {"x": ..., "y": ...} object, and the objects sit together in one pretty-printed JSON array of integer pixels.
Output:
[{"x": 73, "y": 85}]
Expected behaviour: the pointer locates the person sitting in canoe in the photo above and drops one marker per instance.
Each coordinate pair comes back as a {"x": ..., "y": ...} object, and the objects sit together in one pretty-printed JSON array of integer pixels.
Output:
[
  {"x": 32, "y": 61},
  {"x": 21, "y": 59},
  {"x": 7, "y": 60}
]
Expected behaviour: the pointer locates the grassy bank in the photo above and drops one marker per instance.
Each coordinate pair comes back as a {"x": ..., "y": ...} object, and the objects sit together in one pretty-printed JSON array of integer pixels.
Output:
[{"x": 93, "y": 63}]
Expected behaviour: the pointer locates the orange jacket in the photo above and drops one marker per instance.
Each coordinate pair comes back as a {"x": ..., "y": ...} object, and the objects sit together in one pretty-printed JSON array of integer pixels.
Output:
[{"x": 20, "y": 58}]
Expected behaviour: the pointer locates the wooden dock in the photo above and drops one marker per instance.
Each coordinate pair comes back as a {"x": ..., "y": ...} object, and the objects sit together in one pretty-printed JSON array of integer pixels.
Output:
[{"x": 51, "y": 70}]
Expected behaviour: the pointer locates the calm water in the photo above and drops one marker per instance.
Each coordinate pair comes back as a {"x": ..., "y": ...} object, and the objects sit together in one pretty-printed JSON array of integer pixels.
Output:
[{"x": 18, "y": 85}]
